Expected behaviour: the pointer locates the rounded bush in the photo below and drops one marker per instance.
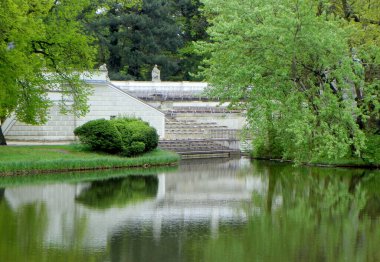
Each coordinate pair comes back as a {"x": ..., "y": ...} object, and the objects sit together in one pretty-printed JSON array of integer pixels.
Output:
[
  {"x": 136, "y": 130},
  {"x": 100, "y": 135},
  {"x": 128, "y": 136}
]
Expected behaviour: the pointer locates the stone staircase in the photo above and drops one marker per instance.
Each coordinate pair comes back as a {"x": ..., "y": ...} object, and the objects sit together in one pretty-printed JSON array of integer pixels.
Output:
[
  {"x": 192, "y": 148},
  {"x": 199, "y": 110},
  {"x": 193, "y": 139},
  {"x": 175, "y": 129}
]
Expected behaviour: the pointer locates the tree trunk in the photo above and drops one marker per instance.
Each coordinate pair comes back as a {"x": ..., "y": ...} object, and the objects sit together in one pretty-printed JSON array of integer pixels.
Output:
[
  {"x": 346, "y": 9},
  {"x": 3, "y": 142}
]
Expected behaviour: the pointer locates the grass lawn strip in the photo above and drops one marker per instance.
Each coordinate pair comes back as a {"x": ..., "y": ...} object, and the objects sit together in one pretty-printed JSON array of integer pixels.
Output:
[{"x": 57, "y": 158}]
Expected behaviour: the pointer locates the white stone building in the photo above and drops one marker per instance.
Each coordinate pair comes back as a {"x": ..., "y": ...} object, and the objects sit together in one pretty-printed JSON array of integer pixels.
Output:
[
  {"x": 107, "y": 101},
  {"x": 163, "y": 89}
]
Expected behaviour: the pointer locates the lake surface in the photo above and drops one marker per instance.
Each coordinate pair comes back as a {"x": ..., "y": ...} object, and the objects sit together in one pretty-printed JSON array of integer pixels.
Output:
[{"x": 214, "y": 210}]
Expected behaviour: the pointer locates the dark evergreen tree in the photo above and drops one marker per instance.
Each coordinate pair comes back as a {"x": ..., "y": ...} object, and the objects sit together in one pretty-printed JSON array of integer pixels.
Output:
[
  {"x": 133, "y": 38},
  {"x": 193, "y": 26}
]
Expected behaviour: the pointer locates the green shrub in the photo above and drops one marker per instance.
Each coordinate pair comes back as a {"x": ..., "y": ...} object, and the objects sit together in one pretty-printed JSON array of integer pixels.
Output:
[
  {"x": 136, "y": 130},
  {"x": 100, "y": 135},
  {"x": 128, "y": 136},
  {"x": 125, "y": 131},
  {"x": 372, "y": 152},
  {"x": 268, "y": 146},
  {"x": 136, "y": 148},
  {"x": 144, "y": 133}
]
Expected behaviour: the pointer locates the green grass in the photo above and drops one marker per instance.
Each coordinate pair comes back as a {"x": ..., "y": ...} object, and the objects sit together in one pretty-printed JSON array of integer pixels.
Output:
[
  {"x": 349, "y": 162},
  {"x": 49, "y": 158}
]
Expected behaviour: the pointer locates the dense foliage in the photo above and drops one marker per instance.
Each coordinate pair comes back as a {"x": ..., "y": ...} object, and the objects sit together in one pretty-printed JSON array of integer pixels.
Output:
[
  {"x": 307, "y": 72},
  {"x": 137, "y": 136},
  {"x": 100, "y": 135},
  {"x": 126, "y": 136},
  {"x": 37, "y": 37},
  {"x": 45, "y": 44},
  {"x": 133, "y": 37}
]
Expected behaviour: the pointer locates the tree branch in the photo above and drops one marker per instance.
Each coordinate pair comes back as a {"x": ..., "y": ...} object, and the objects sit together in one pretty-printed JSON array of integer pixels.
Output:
[{"x": 350, "y": 14}]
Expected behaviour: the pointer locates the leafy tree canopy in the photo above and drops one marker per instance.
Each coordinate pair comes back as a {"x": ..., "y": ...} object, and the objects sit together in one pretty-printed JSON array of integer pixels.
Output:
[
  {"x": 299, "y": 67},
  {"x": 42, "y": 46}
]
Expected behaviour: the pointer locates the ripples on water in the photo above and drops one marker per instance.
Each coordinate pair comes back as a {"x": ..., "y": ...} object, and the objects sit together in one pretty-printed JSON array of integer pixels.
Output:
[{"x": 214, "y": 210}]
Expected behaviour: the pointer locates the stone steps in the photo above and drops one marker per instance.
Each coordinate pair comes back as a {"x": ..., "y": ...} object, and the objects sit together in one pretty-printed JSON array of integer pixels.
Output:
[
  {"x": 201, "y": 109},
  {"x": 173, "y": 127},
  {"x": 195, "y": 139},
  {"x": 185, "y": 147}
]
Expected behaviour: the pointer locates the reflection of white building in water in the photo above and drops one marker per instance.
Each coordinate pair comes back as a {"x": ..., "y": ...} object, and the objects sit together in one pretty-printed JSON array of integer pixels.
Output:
[{"x": 189, "y": 195}]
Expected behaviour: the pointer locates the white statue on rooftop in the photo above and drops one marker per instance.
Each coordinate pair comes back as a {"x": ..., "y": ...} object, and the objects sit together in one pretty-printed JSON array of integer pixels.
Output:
[
  {"x": 104, "y": 70},
  {"x": 156, "y": 74},
  {"x": 103, "y": 67}
]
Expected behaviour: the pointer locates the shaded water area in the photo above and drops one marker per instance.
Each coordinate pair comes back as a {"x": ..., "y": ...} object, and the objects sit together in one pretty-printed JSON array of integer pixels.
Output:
[{"x": 214, "y": 210}]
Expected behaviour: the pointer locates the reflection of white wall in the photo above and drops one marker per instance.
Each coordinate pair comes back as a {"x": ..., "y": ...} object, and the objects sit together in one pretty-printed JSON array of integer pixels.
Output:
[
  {"x": 211, "y": 196},
  {"x": 60, "y": 205}
]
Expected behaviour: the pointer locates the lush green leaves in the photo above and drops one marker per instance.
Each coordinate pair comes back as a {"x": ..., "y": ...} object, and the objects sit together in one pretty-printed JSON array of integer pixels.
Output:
[
  {"x": 100, "y": 135},
  {"x": 126, "y": 136},
  {"x": 291, "y": 64},
  {"x": 42, "y": 47}
]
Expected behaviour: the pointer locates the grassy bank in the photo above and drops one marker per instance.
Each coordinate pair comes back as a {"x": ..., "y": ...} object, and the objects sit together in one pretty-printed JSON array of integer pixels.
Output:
[
  {"x": 57, "y": 158},
  {"x": 344, "y": 162}
]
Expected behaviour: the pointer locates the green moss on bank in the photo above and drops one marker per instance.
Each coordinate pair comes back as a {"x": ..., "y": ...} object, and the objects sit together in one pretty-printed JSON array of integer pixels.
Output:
[{"x": 58, "y": 158}]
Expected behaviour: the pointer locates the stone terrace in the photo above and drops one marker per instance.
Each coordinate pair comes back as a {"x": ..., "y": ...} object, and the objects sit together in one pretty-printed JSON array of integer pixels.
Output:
[{"x": 194, "y": 139}]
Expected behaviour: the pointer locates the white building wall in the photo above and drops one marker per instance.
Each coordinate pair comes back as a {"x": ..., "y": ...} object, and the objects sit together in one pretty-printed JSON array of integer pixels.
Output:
[
  {"x": 167, "y": 90},
  {"x": 105, "y": 102},
  {"x": 111, "y": 101},
  {"x": 58, "y": 128},
  {"x": 149, "y": 86}
]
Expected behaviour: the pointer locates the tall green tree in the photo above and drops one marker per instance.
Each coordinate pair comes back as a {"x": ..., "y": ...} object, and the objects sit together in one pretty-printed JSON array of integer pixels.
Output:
[
  {"x": 363, "y": 24},
  {"x": 42, "y": 47},
  {"x": 193, "y": 25},
  {"x": 134, "y": 37},
  {"x": 292, "y": 64}
]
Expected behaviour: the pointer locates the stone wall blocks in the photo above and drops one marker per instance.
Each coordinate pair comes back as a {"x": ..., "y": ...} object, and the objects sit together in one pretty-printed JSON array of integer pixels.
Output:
[{"x": 106, "y": 101}]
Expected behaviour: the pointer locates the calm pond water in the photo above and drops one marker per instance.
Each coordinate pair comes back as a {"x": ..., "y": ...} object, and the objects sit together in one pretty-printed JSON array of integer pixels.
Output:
[{"x": 215, "y": 210}]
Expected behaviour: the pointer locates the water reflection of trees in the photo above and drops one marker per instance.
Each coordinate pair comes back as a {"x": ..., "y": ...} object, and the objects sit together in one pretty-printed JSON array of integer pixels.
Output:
[
  {"x": 23, "y": 235},
  {"x": 119, "y": 191},
  {"x": 24, "y": 230},
  {"x": 2, "y": 191},
  {"x": 370, "y": 182},
  {"x": 135, "y": 243},
  {"x": 323, "y": 190},
  {"x": 305, "y": 214},
  {"x": 308, "y": 214}
]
